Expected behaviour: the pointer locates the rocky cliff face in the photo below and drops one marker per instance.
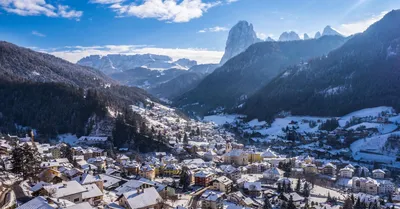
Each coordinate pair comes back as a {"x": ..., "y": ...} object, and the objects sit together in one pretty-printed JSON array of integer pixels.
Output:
[
  {"x": 289, "y": 36},
  {"x": 241, "y": 36}
]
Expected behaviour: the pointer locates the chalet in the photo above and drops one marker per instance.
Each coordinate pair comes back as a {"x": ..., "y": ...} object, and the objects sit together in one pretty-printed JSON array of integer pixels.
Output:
[{"x": 141, "y": 198}]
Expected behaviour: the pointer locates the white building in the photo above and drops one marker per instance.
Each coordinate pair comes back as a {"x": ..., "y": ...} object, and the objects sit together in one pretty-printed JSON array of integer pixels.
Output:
[
  {"x": 378, "y": 174},
  {"x": 346, "y": 172}
]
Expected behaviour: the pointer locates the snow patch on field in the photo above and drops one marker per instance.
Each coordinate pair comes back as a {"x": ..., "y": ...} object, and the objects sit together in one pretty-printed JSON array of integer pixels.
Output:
[{"x": 374, "y": 112}]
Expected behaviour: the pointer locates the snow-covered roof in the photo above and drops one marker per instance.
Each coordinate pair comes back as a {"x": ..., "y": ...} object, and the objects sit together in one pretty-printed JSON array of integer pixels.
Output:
[
  {"x": 378, "y": 171},
  {"x": 268, "y": 154},
  {"x": 252, "y": 186},
  {"x": 87, "y": 179},
  {"x": 83, "y": 205},
  {"x": 93, "y": 138},
  {"x": 92, "y": 190},
  {"x": 274, "y": 171},
  {"x": 143, "y": 199},
  {"x": 235, "y": 153},
  {"x": 203, "y": 174},
  {"x": 130, "y": 185},
  {"x": 211, "y": 195},
  {"x": 65, "y": 189},
  {"x": 36, "y": 203}
]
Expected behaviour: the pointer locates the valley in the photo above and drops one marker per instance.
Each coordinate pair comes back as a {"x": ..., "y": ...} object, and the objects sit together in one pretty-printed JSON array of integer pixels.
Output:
[{"x": 309, "y": 122}]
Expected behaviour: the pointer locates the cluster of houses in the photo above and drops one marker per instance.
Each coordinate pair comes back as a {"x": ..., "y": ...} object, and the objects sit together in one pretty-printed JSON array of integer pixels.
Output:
[{"x": 220, "y": 172}]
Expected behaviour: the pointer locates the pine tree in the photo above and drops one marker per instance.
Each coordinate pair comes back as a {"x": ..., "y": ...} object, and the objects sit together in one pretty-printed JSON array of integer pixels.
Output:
[
  {"x": 358, "y": 204},
  {"x": 17, "y": 160},
  {"x": 184, "y": 178},
  {"x": 298, "y": 185},
  {"x": 291, "y": 203},
  {"x": 306, "y": 190},
  {"x": 348, "y": 204},
  {"x": 198, "y": 131},
  {"x": 279, "y": 190},
  {"x": 390, "y": 200},
  {"x": 267, "y": 203},
  {"x": 66, "y": 152},
  {"x": 185, "y": 139}
]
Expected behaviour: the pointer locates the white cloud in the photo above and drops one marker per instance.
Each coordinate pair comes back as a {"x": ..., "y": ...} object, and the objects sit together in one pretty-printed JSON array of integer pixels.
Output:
[
  {"x": 163, "y": 10},
  {"x": 39, "y": 7},
  {"x": 231, "y": 1},
  {"x": 359, "y": 26},
  {"x": 106, "y": 1},
  {"x": 213, "y": 29},
  {"x": 75, "y": 53},
  {"x": 35, "y": 33},
  {"x": 261, "y": 36}
]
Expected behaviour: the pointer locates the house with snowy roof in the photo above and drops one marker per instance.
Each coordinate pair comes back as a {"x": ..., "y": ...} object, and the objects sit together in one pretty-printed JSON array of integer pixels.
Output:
[
  {"x": 273, "y": 174},
  {"x": 141, "y": 198},
  {"x": 223, "y": 184},
  {"x": 93, "y": 194},
  {"x": 212, "y": 199},
  {"x": 378, "y": 174},
  {"x": 203, "y": 178},
  {"x": 252, "y": 189},
  {"x": 346, "y": 172},
  {"x": 71, "y": 191}
]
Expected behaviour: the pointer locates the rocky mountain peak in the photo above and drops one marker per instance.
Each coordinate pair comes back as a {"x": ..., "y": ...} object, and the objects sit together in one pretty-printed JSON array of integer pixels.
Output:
[
  {"x": 317, "y": 35},
  {"x": 306, "y": 37},
  {"x": 329, "y": 31},
  {"x": 289, "y": 36},
  {"x": 240, "y": 37}
]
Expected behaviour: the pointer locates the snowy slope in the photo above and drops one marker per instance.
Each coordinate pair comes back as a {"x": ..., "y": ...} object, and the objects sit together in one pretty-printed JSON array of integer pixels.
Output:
[
  {"x": 382, "y": 128},
  {"x": 374, "y": 112},
  {"x": 372, "y": 144}
]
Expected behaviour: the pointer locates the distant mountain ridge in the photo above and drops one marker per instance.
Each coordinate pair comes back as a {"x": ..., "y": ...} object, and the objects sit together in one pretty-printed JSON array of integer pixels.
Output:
[
  {"x": 230, "y": 85},
  {"x": 289, "y": 36},
  {"x": 29, "y": 65},
  {"x": 55, "y": 96},
  {"x": 362, "y": 73},
  {"x": 116, "y": 63}
]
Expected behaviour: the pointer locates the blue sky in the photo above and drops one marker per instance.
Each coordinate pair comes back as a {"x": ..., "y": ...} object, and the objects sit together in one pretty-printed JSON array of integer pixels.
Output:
[{"x": 181, "y": 28}]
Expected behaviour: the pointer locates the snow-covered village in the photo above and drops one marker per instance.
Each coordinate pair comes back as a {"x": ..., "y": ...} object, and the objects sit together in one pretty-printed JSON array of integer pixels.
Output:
[
  {"x": 199, "y": 104},
  {"x": 219, "y": 162}
]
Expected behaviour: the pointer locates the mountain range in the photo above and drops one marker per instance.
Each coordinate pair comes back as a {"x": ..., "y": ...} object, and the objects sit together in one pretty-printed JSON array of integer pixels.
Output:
[
  {"x": 230, "y": 85},
  {"x": 364, "y": 72},
  {"x": 54, "y": 96},
  {"x": 240, "y": 37},
  {"x": 116, "y": 63}
]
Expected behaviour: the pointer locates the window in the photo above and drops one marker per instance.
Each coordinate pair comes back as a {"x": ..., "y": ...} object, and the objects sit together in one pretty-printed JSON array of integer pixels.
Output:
[{"x": 76, "y": 200}]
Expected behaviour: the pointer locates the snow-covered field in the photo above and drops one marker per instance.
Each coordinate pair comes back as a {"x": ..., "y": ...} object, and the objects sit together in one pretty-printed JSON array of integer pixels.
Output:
[
  {"x": 374, "y": 112},
  {"x": 221, "y": 119},
  {"x": 382, "y": 128},
  {"x": 279, "y": 123},
  {"x": 372, "y": 144}
]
